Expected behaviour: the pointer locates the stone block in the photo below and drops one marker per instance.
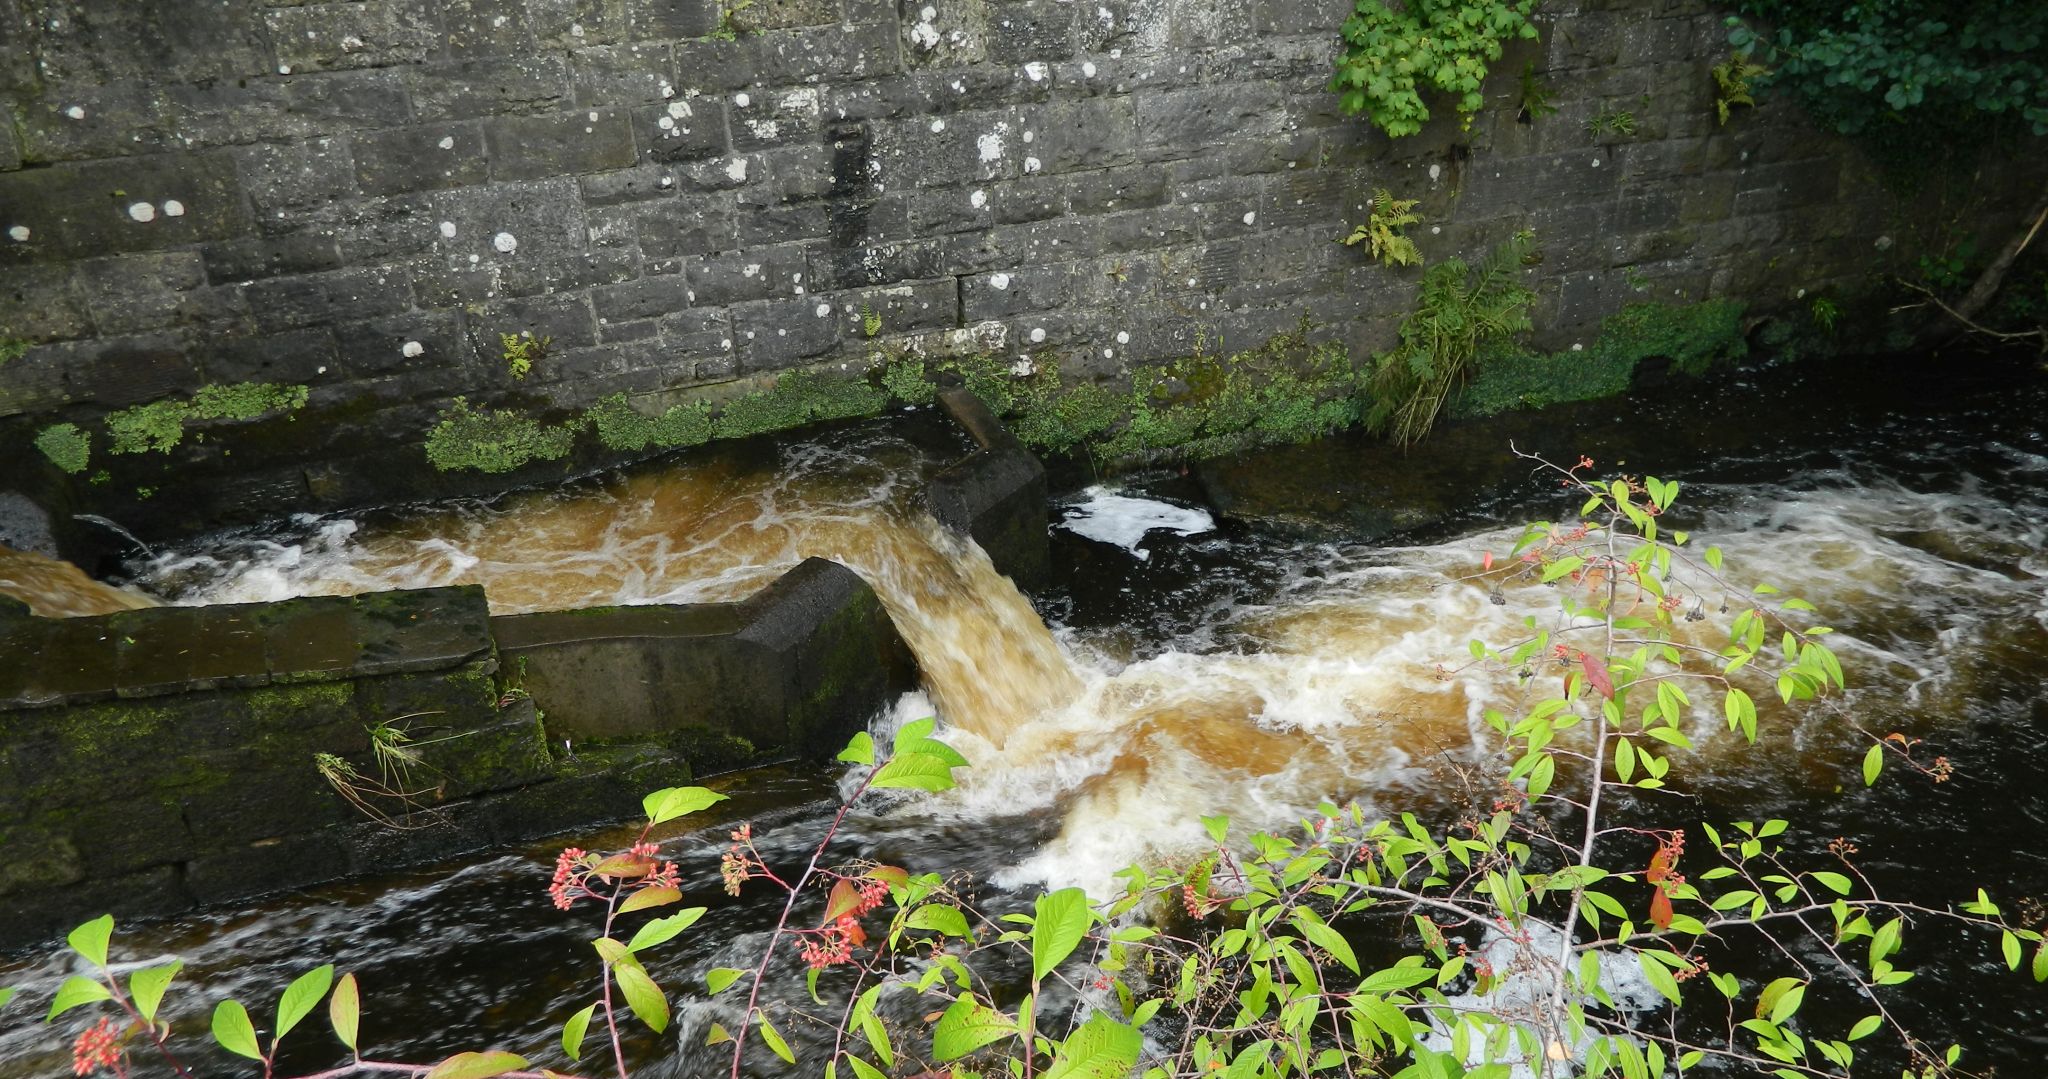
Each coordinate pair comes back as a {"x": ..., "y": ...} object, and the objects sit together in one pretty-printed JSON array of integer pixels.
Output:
[
  {"x": 1186, "y": 123},
  {"x": 1005, "y": 293},
  {"x": 109, "y": 371},
  {"x": 381, "y": 345},
  {"x": 681, "y": 130},
  {"x": 532, "y": 236},
  {"x": 310, "y": 299},
  {"x": 1085, "y": 134},
  {"x": 773, "y": 118},
  {"x": 573, "y": 24},
  {"x": 565, "y": 319},
  {"x": 138, "y": 293},
  {"x": 776, "y": 334},
  {"x": 748, "y": 274},
  {"x": 424, "y": 158},
  {"x": 946, "y": 34},
  {"x": 249, "y": 258},
  {"x": 463, "y": 89},
  {"x": 486, "y": 28},
  {"x": 670, "y": 19},
  {"x": 358, "y": 34},
  {"x": 558, "y": 144},
  {"x": 838, "y": 267},
  {"x": 637, "y": 74},
  {"x": 682, "y": 227},
  {"x": 38, "y": 303},
  {"x": 291, "y": 357},
  {"x": 96, "y": 208},
  {"x": 1030, "y": 31},
  {"x": 641, "y": 183},
  {"x": 644, "y": 298},
  {"x": 780, "y": 223},
  {"x": 287, "y": 180}
]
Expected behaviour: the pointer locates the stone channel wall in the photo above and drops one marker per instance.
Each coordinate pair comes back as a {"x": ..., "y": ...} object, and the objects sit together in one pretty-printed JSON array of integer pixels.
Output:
[
  {"x": 362, "y": 197},
  {"x": 158, "y": 759}
]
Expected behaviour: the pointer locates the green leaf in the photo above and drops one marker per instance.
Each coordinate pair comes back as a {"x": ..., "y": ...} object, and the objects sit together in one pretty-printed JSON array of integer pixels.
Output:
[
  {"x": 1102, "y": 1049},
  {"x": 860, "y": 750},
  {"x": 671, "y": 802},
  {"x": 1713, "y": 557},
  {"x": 1062, "y": 920},
  {"x": 574, "y": 1030},
  {"x": 967, "y": 1026},
  {"x": 2040, "y": 969},
  {"x": 6, "y": 995},
  {"x": 939, "y": 918},
  {"x": 1326, "y": 938},
  {"x": 1788, "y": 1004},
  {"x": 2011, "y": 945},
  {"x": 345, "y": 1011},
  {"x": 147, "y": 987},
  {"x": 477, "y": 1065},
  {"x": 300, "y": 998},
  {"x": 1562, "y": 567},
  {"x": 90, "y": 939},
  {"x": 234, "y": 1032},
  {"x": 1218, "y": 827},
  {"x": 650, "y": 897},
  {"x": 1865, "y": 1027},
  {"x": 663, "y": 929},
  {"x": 1659, "y": 976},
  {"x": 642, "y": 995},
  {"x": 1873, "y": 763},
  {"x": 919, "y": 771},
  {"x": 864, "y": 1070},
  {"x": 76, "y": 990},
  {"x": 774, "y": 1039},
  {"x": 718, "y": 979},
  {"x": 1836, "y": 882},
  {"x": 1541, "y": 776}
]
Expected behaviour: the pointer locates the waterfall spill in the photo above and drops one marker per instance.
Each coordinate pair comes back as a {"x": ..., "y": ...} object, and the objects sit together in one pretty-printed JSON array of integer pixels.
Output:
[{"x": 1350, "y": 682}]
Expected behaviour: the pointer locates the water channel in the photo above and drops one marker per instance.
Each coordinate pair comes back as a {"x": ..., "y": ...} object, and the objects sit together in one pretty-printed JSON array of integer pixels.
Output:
[{"x": 1186, "y": 664}]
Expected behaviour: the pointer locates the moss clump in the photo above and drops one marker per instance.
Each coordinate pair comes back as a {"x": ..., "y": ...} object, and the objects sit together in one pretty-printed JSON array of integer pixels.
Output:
[
  {"x": 621, "y": 428},
  {"x": 66, "y": 446},
  {"x": 246, "y": 401},
  {"x": 1287, "y": 390},
  {"x": 1694, "y": 337},
  {"x": 497, "y": 440},
  {"x": 12, "y": 349},
  {"x": 797, "y": 398},
  {"x": 160, "y": 425}
]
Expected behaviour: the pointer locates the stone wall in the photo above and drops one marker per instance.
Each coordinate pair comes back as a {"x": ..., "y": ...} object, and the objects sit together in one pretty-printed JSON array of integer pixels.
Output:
[{"x": 361, "y": 197}]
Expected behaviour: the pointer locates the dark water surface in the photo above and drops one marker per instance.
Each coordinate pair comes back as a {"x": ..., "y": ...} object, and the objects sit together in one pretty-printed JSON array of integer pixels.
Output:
[{"x": 1913, "y": 502}]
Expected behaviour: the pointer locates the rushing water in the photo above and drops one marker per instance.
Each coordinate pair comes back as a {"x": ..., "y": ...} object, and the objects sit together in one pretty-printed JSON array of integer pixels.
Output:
[{"x": 1229, "y": 669}]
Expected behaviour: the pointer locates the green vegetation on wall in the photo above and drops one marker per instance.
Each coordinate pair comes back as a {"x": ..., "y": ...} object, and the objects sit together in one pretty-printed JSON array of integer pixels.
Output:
[
  {"x": 1461, "y": 313},
  {"x": 1694, "y": 337},
  {"x": 1392, "y": 56},
  {"x": 494, "y": 440},
  {"x": 67, "y": 447},
  {"x": 160, "y": 425},
  {"x": 619, "y": 427}
]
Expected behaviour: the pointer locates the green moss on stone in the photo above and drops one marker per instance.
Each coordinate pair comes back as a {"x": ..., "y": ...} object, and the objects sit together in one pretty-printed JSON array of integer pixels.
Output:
[
  {"x": 246, "y": 401},
  {"x": 1694, "y": 337},
  {"x": 797, "y": 398},
  {"x": 67, "y": 447},
  {"x": 160, "y": 425},
  {"x": 619, "y": 427},
  {"x": 495, "y": 440}
]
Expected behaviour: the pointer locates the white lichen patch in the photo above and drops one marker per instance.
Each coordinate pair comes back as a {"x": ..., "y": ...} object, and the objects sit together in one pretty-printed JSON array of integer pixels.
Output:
[
  {"x": 19, "y": 234},
  {"x": 1251, "y": 217},
  {"x": 764, "y": 130},
  {"x": 938, "y": 126},
  {"x": 990, "y": 146},
  {"x": 173, "y": 208},
  {"x": 76, "y": 112},
  {"x": 142, "y": 211},
  {"x": 742, "y": 100},
  {"x": 736, "y": 170},
  {"x": 412, "y": 349},
  {"x": 1036, "y": 70},
  {"x": 447, "y": 230},
  {"x": 978, "y": 200},
  {"x": 1032, "y": 164},
  {"x": 505, "y": 242},
  {"x": 1037, "y": 334}
]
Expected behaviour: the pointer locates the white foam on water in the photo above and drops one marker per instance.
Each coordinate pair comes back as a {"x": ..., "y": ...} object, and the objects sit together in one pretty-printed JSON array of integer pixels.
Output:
[{"x": 1123, "y": 521}]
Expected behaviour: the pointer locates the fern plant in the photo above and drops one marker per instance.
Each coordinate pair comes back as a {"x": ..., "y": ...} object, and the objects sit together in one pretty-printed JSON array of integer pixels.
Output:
[
  {"x": 1731, "y": 84},
  {"x": 1461, "y": 311},
  {"x": 1381, "y": 233}
]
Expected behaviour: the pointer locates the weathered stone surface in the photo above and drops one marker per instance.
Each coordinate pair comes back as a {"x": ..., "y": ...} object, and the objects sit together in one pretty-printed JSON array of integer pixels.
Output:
[{"x": 365, "y": 184}]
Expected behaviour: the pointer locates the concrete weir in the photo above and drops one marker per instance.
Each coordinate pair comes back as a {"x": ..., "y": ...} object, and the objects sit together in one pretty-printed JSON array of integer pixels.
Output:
[{"x": 156, "y": 760}]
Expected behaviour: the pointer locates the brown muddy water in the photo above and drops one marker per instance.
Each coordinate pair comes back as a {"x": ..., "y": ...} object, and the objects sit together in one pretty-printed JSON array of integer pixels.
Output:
[{"x": 1185, "y": 665}]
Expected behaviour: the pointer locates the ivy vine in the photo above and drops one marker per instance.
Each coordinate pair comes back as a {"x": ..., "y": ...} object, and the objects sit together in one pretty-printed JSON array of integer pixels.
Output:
[{"x": 1392, "y": 56}]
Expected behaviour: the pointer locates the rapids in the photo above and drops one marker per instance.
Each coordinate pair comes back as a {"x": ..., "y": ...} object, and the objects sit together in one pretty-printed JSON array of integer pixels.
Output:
[{"x": 1199, "y": 667}]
